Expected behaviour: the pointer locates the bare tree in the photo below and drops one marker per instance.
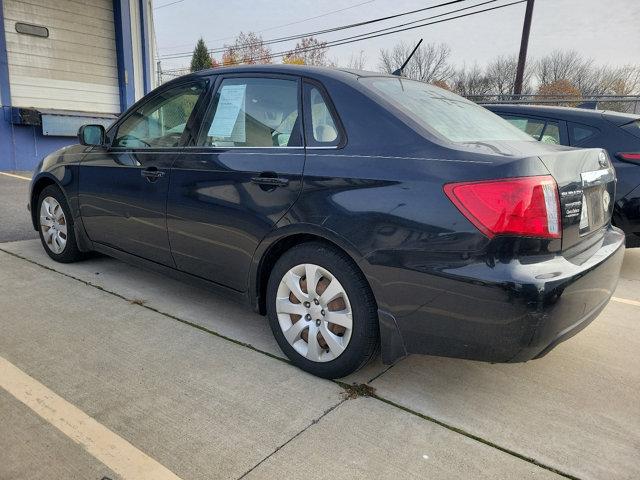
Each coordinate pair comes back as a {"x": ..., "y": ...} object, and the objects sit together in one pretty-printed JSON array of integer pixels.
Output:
[
  {"x": 501, "y": 74},
  {"x": 247, "y": 48},
  {"x": 566, "y": 65},
  {"x": 471, "y": 82},
  {"x": 357, "y": 62},
  {"x": 588, "y": 78},
  {"x": 308, "y": 51},
  {"x": 428, "y": 64},
  {"x": 608, "y": 80}
]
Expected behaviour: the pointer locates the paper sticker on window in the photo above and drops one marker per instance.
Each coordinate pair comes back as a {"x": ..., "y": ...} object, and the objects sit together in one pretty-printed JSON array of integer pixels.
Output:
[{"x": 228, "y": 122}]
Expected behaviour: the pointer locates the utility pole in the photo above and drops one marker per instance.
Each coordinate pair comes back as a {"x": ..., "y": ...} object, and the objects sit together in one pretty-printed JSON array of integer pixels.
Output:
[{"x": 517, "y": 87}]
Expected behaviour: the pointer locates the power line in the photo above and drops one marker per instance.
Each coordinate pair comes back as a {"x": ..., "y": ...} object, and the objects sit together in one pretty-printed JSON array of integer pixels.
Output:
[
  {"x": 326, "y": 14},
  {"x": 322, "y": 32},
  {"x": 367, "y": 36},
  {"x": 167, "y": 4}
]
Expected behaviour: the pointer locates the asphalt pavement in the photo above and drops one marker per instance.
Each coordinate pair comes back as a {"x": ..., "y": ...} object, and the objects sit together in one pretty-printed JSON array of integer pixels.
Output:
[{"x": 14, "y": 217}]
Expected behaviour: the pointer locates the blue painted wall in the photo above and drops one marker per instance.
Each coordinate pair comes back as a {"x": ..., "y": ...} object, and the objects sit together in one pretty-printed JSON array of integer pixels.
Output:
[{"x": 22, "y": 146}]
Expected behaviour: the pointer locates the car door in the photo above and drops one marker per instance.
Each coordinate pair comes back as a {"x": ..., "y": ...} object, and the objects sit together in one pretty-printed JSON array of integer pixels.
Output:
[
  {"x": 546, "y": 130},
  {"x": 239, "y": 177},
  {"x": 123, "y": 186}
]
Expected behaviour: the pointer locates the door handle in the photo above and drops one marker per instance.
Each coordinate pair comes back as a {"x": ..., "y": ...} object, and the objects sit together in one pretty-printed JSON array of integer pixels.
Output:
[
  {"x": 270, "y": 181},
  {"x": 152, "y": 174}
]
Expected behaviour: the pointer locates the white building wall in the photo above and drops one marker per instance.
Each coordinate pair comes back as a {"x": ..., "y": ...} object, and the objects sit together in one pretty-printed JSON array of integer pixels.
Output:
[
  {"x": 151, "y": 41},
  {"x": 136, "y": 40},
  {"x": 75, "y": 68}
]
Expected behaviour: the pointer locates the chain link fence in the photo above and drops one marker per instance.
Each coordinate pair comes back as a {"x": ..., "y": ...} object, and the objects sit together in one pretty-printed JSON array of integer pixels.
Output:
[
  {"x": 617, "y": 103},
  {"x": 166, "y": 75}
]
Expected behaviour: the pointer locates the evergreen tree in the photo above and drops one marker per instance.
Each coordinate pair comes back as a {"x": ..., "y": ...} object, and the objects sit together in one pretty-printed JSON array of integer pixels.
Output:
[{"x": 201, "y": 58}]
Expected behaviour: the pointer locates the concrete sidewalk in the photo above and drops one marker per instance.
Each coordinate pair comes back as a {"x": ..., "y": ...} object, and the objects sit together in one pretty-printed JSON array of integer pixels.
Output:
[
  {"x": 161, "y": 376},
  {"x": 200, "y": 405},
  {"x": 14, "y": 217}
]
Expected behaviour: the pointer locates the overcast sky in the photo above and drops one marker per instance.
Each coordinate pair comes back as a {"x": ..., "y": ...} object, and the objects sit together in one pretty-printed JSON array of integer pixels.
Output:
[{"x": 607, "y": 30}]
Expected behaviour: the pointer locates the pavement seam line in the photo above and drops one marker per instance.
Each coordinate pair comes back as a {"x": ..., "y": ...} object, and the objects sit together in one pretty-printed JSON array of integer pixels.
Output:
[
  {"x": 477, "y": 438},
  {"x": 280, "y": 447},
  {"x": 13, "y": 175},
  {"x": 113, "y": 451},
  {"x": 148, "y": 307},
  {"x": 452, "y": 428},
  {"x": 626, "y": 301}
]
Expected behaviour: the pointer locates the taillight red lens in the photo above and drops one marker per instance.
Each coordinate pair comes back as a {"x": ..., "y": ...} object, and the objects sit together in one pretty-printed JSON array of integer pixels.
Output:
[
  {"x": 629, "y": 157},
  {"x": 524, "y": 206}
]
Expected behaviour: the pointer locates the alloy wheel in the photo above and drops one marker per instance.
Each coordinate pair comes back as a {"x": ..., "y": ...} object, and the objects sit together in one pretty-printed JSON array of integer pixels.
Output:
[
  {"x": 53, "y": 225},
  {"x": 314, "y": 312}
]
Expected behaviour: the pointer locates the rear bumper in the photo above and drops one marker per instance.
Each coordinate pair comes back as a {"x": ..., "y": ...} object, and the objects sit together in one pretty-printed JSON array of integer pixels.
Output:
[{"x": 508, "y": 312}]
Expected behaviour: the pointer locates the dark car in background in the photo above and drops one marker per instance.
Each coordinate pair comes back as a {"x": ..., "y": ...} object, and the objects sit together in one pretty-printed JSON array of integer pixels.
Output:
[
  {"x": 617, "y": 133},
  {"x": 359, "y": 211}
]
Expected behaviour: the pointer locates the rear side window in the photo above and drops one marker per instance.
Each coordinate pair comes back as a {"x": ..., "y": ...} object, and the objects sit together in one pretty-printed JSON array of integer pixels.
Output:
[
  {"x": 253, "y": 112},
  {"x": 580, "y": 133},
  {"x": 323, "y": 129}
]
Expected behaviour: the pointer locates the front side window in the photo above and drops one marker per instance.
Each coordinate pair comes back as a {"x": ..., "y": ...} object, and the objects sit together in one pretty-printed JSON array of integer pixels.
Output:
[
  {"x": 443, "y": 113},
  {"x": 531, "y": 126},
  {"x": 253, "y": 112},
  {"x": 162, "y": 120},
  {"x": 324, "y": 131},
  {"x": 539, "y": 129},
  {"x": 551, "y": 133}
]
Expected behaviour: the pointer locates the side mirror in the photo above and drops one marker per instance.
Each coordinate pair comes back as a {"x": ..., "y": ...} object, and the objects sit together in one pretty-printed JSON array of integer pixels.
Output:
[{"x": 91, "y": 135}]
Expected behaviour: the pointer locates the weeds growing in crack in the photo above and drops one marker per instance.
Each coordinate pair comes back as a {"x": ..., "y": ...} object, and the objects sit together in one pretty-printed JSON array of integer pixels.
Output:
[{"x": 358, "y": 390}]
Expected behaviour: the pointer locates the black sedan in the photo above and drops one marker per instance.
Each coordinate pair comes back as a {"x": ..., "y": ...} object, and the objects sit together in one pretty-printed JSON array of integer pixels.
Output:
[
  {"x": 359, "y": 211},
  {"x": 617, "y": 133}
]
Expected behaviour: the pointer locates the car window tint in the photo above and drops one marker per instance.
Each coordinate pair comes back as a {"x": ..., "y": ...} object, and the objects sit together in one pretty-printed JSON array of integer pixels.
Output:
[
  {"x": 253, "y": 112},
  {"x": 551, "y": 133},
  {"x": 324, "y": 130},
  {"x": 161, "y": 121},
  {"x": 579, "y": 133},
  {"x": 531, "y": 126}
]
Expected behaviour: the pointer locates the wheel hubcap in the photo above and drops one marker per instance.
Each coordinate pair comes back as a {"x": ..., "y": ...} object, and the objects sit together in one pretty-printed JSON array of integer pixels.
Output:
[
  {"x": 314, "y": 312},
  {"x": 53, "y": 225}
]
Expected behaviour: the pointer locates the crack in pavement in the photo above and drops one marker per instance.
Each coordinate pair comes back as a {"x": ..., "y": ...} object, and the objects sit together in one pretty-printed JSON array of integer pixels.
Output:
[
  {"x": 280, "y": 447},
  {"x": 441, "y": 423}
]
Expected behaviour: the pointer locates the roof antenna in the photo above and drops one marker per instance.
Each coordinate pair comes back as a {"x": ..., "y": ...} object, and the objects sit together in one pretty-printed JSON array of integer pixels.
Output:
[{"x": 398, "y": 72}]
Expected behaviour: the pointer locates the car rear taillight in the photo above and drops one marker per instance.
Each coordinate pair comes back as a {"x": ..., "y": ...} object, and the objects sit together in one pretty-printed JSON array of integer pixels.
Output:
[
  {"x": 629, "y": 157},
  {"x": 524, "y": 206}
]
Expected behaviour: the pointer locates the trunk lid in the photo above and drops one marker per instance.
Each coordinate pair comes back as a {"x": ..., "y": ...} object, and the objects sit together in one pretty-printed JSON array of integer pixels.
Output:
[{"x": 586, "y": 185}]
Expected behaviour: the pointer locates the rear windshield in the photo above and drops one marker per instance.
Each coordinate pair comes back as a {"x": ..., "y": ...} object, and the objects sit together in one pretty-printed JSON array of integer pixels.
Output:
[
  {"x": 443, "y": 113},
  {"x": 633, "y": 128}
]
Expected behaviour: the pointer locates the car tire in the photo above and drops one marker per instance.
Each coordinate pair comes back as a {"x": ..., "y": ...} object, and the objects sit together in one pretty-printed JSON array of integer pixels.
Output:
[
  {"x": 56, "y": 226},
  {"x": 352, "y": 341}
]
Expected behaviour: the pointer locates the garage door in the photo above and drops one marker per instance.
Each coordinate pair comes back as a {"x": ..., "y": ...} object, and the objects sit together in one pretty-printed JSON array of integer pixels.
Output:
[{"x": 72, "y": 64}]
